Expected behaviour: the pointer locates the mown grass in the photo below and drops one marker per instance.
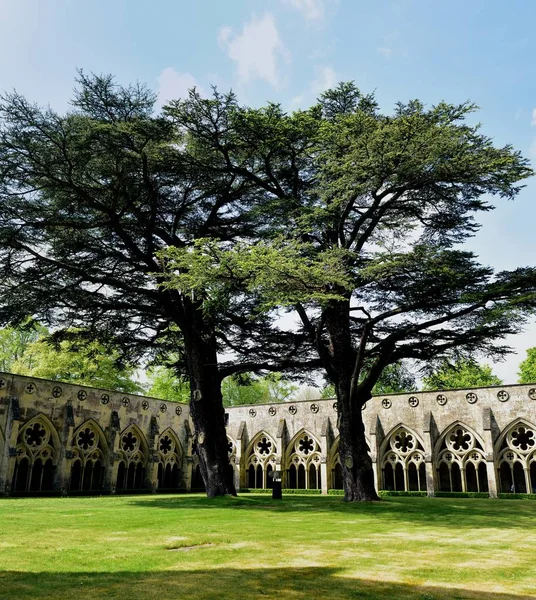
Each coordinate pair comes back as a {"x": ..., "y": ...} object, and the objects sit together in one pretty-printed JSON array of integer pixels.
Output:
[{"x": 251, "y": 547}]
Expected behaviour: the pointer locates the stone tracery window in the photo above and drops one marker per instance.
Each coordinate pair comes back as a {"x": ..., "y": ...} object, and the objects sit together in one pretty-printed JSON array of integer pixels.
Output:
[
  {"x": 133, "y": 460},
  {"x": 303, "y": 471},
  {"x": 36, "y": 456},
  {"x": 403, "y": 462},
  {"x": 169, "y": 460},
  {"x": 261, "y": 462},
  {"x": 517, "y": 459},
  {"x": 88, "y": 452},
  {"x": 460, "y": 462}
]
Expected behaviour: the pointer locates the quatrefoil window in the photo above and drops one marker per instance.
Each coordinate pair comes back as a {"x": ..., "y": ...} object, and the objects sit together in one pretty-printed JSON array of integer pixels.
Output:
[
  {"x": 86, "y": 439},
  {"x": 35, "y": 435},
  {"x": 129, "y": 442},
  {"x": 229, "y": 448},
  {"x": 166, "y": 444},
  {"x": 523, "y": 438},
  {"x": 264, "y": 446},
  {"x": 404, "y": 441},
  {"x": 306, "y": 445},
  {"x": 460, "y": 440}
]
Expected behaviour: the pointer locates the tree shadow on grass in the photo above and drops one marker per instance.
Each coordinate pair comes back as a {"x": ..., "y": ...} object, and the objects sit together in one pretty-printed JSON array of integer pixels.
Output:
[
  {"x": 266, "y": 584},
  {"x": 460, "y": 513}
]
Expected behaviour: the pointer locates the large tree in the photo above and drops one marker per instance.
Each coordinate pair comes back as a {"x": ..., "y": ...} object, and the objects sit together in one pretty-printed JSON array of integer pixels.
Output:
[
  {"x": 88, "y": 198},
  {"x": 527, "y": 367},
  {"x": 366, "y": 212}
]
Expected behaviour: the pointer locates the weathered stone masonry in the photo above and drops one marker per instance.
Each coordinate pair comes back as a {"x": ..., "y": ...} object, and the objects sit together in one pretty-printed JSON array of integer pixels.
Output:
[{"x": 68, "y": 438}]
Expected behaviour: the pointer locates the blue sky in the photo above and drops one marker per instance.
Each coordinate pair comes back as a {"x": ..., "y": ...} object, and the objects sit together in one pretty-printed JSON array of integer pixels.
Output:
[{"x": 291, "y": 50}]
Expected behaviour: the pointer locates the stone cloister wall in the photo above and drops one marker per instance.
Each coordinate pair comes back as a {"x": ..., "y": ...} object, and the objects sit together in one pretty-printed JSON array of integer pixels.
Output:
[{"x": 68, "y": 438}]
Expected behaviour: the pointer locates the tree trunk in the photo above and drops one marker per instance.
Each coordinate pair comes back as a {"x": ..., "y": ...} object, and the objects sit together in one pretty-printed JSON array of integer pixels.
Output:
[
  {"x": 357, "y": 472},
  {"x": 206, "y": 405}
]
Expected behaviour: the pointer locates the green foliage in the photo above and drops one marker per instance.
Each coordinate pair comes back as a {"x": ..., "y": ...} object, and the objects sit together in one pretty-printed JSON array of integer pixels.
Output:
[
  {"x": 527, "y": 368},
  {"x": 164, "y": 384},
  {"x": 462, "y": 494},
  {"x": 461, "y": 374},
  {"x": 15, "y": 340},
  {"x": 250, "y": 389},
  {"x": 74, "y": 362}
]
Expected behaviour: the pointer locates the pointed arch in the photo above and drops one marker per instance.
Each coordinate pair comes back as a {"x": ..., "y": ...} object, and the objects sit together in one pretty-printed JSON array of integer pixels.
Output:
[
  {"x": 402, "y": 460},
  {"x": 261, "y": 460},
  {"x": 515, "y": 452},
  {"x": 37, "y": 451},
  {"x": 302, "y": 459},
  {"x": 134, "y": 453},
  {"x": 169, "y": 460},
  {"x": 450, "y": 428},
  {"x": 89, "y": 457}
]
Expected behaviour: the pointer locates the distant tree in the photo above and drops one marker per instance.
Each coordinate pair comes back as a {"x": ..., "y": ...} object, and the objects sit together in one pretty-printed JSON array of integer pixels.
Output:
[
  {"x": 90, "y": 364},
  {"x": 459, "y": 375},
  {"x": 395, "y": 378},
  {"x": 15, "y": 340},
  {"x": 527, "y": 368},
  {"x": 164, "y": 383},
  {"x": 250, "y": 389}
]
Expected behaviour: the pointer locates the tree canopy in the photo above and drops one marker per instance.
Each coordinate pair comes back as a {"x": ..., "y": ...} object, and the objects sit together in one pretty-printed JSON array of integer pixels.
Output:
[
  {"x": 364, "y": 215},
  {"x": 527, "y": 368},
  {"x": 459, "y": 375}
]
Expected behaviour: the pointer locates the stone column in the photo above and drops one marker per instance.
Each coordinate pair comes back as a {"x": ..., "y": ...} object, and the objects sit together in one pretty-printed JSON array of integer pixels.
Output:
[
  {"x": 9, "y": 454},
  {"x": 428, "y": 439},
  {"x": 487, "y": 419}
]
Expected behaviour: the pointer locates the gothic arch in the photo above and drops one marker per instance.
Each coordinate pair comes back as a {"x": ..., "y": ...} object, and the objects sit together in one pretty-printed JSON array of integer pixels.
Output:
[
  {"x": 133, "y": 456},
  {"x": 261, "y": 460},
  {"x": 89, "y": 454},
  {"x": 460, "y": 460},
  {"x": 515, "y": 454},
  {"x": 169, "y": 459},
  {"x": 401, "y": 459},
  {"x": 302, "y": 460},
  {"x": 37, "y": 449}
]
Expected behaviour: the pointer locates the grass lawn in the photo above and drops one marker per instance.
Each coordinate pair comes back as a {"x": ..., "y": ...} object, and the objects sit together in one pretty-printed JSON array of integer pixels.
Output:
[{"x": 251, "y": 547}]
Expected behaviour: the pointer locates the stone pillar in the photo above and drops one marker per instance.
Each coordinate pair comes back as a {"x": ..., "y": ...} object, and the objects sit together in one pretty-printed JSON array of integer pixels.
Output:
[
  {"x": 429, "y": 441},
  {"x": 9, "y": 454},
  {"x": 63, "y": 470},
  {"x": 110, "y": 476},
  {"x": 487, "y": 419}
]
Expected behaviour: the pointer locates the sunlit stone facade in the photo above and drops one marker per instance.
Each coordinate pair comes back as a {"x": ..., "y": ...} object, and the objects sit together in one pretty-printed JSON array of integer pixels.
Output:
[{"x": 64, "y": 438}]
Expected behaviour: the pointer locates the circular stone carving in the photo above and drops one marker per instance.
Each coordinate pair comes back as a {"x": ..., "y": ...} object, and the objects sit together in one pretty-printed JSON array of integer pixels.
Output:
[
  {"x": 532, "y": 393},
  {"x": 272, "y": 411},
  {"x": 386, "y": 403},
  {"x": 82, "y": 395},
  {"x": 349, "y": 462},
  {"x": 503, "y": 395},
  {"x": 145, "y": 405},
  {"x": 163, "y": 407},
  {"x": 56, "y": 391},
  {"x": 314, "y": 408},
  {"x": 252, "y": 412},
  {"x": 30, "y": 388},
  {"x": 292, "y": 410},
  {"x": 471, "y": 397},
  {"x": 441, "y": 399},
  {"x": 125, "y": 401},
  {"x": 413, "y": 401},
  {"x": 178, "y": 410},
  {"x": 336, "y": 406},
  {"x": 105, "y": 399},
  {"x": 2, "y": 383}
]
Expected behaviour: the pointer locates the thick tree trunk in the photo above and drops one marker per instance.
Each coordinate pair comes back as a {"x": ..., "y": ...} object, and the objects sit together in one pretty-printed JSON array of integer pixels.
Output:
[
  {"x": 206, "y": 406},
  {"x": 357, "y": 472}
]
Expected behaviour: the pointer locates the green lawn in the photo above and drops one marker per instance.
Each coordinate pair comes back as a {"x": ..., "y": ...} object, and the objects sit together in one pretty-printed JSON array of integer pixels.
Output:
[{"x": 251, "y": 547}]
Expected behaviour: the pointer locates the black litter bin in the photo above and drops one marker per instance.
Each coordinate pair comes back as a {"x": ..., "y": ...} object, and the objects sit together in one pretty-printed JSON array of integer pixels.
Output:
[{"x": 277, "y": 493}]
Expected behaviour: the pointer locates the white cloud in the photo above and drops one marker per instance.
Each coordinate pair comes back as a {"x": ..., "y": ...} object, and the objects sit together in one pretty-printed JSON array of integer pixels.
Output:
[
  {"x": 533, "y": 121},
  {"x": 325, "y": 79},
  {"x": 173, "y": 85},
  {"x": 386, "y": 51},
  {"x": 313, "y": 10},
  {"x": 257, "y": 51}
]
